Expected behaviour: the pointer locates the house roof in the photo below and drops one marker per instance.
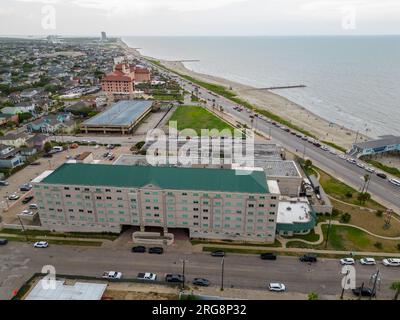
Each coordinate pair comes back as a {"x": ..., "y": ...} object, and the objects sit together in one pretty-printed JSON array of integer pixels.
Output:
[{"x": 224, "y": 180}]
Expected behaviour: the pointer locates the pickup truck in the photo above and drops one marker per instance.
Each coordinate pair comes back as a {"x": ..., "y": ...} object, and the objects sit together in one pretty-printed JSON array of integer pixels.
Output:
[
  {"x": 112, "y": 275},
  {"x": 147, "y": 276}
]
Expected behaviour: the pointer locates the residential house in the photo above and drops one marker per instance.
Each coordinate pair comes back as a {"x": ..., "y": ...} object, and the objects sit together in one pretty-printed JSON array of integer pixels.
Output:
[
  {"x": 10, "y": 157},
  {"x": 37, "y": 141},
  {"x": 20, "y": 108},
  {"x": 52, "y": 123},
  {"x": 5, "y": 118},
  {"x": 15, "y": 140}
]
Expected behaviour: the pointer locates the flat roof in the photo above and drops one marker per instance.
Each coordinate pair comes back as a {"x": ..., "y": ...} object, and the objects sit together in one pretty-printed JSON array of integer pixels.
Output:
[
  {"x": 123, "y": 113},
  {"x": 290, "y": 212},
  {"x": 61, "y": 291},
  {"x": 281, "y": 168},
  {"x": 381, "y": 142},
  {"x": 224, "y": 180},
  {"x": 273, "y": 187}
]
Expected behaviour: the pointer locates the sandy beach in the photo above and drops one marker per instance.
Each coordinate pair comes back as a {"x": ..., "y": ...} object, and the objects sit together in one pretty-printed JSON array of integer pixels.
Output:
[{"x": 323, "y": 129}]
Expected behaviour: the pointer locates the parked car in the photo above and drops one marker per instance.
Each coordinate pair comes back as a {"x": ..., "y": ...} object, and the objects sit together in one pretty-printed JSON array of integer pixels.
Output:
[
  {"x": 363, "y": 291},
  {"x": 27, "y": 199},
  {"x": 33, "y": 206},
  {"x": 13, "y": 196},
  {"x": 47, "y": 155},
  {"x": 148, "y": 276},
  {"x": 308, "y": 258},
  {"x": 218, "y": 253},
  {"x": 347, "y": 261},
  {"x": 3, "y": 242},
  {"x": 36, "y": 163},
  {"x": 201, "y": 282},
  {"x": 156, "y": 250},
  {"x": 367, "y": 261},
  {"x": 395, "y": 182},
  {"x": 277, "y": 287},
  {"x": 27, "y": 213},
  {"x": 139, "y": 249},
  {"x": 381, "y": 175},
  {"x": 25, "y": 187},
  {"x": 177, "y": 278},
  {"x": 3, "y": 183},
  {"x": 112, "y": 275},
  {"x": 41, "y": 244},
  {"x": 391, "y": 262},
  {"x": 268, "y": 256}
]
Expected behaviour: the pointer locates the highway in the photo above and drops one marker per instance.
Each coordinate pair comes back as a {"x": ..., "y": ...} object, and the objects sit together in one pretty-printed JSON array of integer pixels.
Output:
[
  {"x": 381, "y": 190},
  {"x": 18, "y": 261}
]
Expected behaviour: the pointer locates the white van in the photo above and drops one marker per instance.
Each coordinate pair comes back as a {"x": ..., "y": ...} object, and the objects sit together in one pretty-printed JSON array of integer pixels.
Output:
[{"x": 395, "y": 182}]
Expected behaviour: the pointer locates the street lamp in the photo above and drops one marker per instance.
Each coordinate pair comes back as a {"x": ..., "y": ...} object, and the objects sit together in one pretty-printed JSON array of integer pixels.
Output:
[
  {"x": 222, "y": 273},
  {"x": 183, "y": 272}
]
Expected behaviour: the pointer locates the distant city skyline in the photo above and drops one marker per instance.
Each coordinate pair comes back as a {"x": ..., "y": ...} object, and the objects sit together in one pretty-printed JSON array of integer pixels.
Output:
[{"x": 199, "y": 18}]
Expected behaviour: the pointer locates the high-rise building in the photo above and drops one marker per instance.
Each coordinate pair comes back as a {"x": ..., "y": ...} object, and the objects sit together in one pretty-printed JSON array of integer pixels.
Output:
[{"x": 103, "y": 36}]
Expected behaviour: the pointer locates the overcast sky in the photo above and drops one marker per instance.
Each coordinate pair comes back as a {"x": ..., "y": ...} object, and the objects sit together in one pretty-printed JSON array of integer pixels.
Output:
[{"x": 199, "y": 17}]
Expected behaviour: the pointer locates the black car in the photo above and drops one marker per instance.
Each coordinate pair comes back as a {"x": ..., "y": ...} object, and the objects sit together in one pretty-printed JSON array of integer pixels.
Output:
[
  {"x": 47, "y": 155},
  {"x": 218, "y": 253},
  {"x": 139, "y": 249},
  {"x": 156, "y": 250},
  {"x": 36, "y": 163},
  {"x": 381, "y": 175},
  {"x": 27, "y": 199},
  {"x": 3, "y": 242},
  {"x": 365, "y": 292},
  {"x": 268, "y": 256},
  {"x": 201, "y": 282},
  {"x": 308, "y": 258},
  {"x": 177, "y": 278}
]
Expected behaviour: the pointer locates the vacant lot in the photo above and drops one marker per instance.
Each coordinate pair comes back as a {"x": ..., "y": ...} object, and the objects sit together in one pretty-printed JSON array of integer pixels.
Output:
[{"x": 197, "y": 118}]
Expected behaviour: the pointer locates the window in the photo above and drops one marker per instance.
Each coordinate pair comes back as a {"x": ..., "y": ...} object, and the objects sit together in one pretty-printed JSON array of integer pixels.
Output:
[
  {"x": 251, "y": 205},
  {"x": 261, "y": 205},
  {"x": 273, "y": 198},
  {"x": 108, "y": 198},
  {"x": 98, "y": 198},
  {"x": 77, "y": 189},
  {"x": 205, "y": 210},
  {"x": 195, "y": 217},
  {"x": 68, "y": 196},
  {"x": 273, "y": 205},
  {"x": 205, "y": 218},
  {"x": 66, "y": 188}
]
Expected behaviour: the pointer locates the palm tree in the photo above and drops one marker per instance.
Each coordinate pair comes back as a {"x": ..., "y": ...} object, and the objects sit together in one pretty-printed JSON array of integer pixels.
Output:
[
  {"x": 366, "y": 180},
  {"x": 396, "y": 287}
]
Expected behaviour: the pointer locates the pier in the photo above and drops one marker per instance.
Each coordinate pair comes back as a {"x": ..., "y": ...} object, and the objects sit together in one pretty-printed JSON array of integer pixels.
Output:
[{"x": 281, "y": 87}]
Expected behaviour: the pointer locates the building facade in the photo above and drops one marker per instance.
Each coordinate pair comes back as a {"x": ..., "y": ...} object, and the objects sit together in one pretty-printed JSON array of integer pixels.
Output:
[{"x": 209, "y": 203}]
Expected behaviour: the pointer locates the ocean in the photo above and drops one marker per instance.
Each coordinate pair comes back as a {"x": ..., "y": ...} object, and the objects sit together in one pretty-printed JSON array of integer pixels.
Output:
[{"x": 353, "y": 81}]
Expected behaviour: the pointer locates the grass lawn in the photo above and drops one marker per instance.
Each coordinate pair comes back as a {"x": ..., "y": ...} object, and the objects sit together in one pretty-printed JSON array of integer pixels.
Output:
[
  {"x": 312, "y": 236},
  {"x": 391, "y": 170},
  {"x": 339, "y": 190},
  {"x": 197, "y": 118},
  {"x": 352, "y": 239},
  {"x": 233, "y": 243},
  {"x": 369, "y": 220},
  {"x": 38, "y": 233}
]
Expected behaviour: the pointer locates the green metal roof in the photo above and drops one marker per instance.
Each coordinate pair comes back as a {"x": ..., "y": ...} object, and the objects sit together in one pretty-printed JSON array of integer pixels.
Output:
[{"x": 164, "y": 177}]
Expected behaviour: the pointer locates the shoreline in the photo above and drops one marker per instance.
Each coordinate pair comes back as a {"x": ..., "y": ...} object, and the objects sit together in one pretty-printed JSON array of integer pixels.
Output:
[{"x": 298, "y": 115}]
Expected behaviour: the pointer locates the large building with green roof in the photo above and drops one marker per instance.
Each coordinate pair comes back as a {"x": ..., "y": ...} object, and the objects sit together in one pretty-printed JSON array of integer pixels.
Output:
[{"x": 210, "y": 203}]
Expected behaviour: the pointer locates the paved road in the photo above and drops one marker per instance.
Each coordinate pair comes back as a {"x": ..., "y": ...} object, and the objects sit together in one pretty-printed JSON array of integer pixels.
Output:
[
  {"x": 18, "y": 261},
  {"x": 381, "y": 190}
]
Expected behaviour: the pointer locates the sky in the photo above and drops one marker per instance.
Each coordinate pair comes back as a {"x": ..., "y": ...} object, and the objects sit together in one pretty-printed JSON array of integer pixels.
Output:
[{"x": 199, "y": 17}]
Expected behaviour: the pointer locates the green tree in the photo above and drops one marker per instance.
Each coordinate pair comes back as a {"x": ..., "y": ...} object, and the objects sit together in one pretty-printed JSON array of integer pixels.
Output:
[
  {"x": 345, "y": 218},
  {"x": 24, "y": 116},
  {"x": 308, "y": 163},
  {"x": 313, "y": 296},
  {"x": 47, "y": 146},
  {"x": 363, "y": 197},
  {"x": 396, "y": 287}
]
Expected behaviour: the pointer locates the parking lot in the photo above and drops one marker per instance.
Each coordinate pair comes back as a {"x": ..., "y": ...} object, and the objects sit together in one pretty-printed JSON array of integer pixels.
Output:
[{"x": 10, "y": 208}]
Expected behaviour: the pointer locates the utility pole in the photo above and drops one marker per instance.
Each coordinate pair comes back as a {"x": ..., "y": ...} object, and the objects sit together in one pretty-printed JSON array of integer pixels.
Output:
[
  {"x": 222, "y": 273},
  {"x": 23, "y": 228},
  {"x": 376, "y": 275},
  {"x": 345, "y": 282},
  {"x": 328, "y": 231},
  {"x": 183, "y": 274}
]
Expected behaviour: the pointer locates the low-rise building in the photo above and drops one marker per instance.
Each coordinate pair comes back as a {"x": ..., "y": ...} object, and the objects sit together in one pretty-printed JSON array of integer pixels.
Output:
[
  {"x": 295, "y": 216},
  {"x": 208, "y": 203},
  {"x": 15, "y": 140},
  {"x": 52, "y": 123}
]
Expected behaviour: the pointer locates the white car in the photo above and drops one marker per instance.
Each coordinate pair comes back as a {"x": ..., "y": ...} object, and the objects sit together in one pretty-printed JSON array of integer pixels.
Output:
[
  {"x": 13, "y": 196},
  {"x": 342, "y": 156},
  {"x": 347, "y": 261},
  {"x": 367, "y": 261},
  {"x": 324, "y": 148},
  {"x": 332, "y": 152},
  {"x": 277, "y": 287},
  {"x": 395, "y": 182},
  {"x": 33, "y": 206},
  {"x": 369, "y": 169},
  {"x": 112, "y": 275},
  {"x": 41, "y": 244},
  {"x": 360, "y": 165},
  {"x": 391, "y": 262},
  {"x": 27, "y": 212},
  {"x": 352, "y": 161}
]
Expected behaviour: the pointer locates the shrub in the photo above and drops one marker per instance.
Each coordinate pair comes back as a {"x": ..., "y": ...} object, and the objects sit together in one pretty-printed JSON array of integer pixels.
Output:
[
  {"x": 398, "y": 246},
  {"x": 349, "y": 194},
  {"x": 336, "y": 212},
  {"x": 378, "y": 245},
  {"x": 345, "y": 218},
  {"x": 379, "y": 213}
]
